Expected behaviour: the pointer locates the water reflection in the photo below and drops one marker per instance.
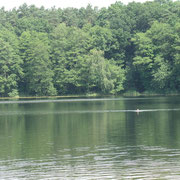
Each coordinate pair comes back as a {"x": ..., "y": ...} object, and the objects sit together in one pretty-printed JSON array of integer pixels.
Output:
[{"x": 37, "y": 141}]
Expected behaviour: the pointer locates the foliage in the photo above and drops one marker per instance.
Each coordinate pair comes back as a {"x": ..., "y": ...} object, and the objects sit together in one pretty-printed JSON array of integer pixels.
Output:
[
  {"x": 133, "y": 47},
  {"x": 68, "y": 43},
  {"x": 10, "y": 63},
  {"x": 100, "y": 75},
  {"x": 37, "y": 65}
]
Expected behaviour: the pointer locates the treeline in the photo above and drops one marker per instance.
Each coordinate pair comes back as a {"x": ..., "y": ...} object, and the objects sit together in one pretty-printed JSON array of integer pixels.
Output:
[{"x": 134, "y": 47}]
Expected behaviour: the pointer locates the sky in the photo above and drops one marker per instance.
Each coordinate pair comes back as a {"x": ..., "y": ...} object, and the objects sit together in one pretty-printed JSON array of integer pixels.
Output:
[{"x": 10, "y": 4}]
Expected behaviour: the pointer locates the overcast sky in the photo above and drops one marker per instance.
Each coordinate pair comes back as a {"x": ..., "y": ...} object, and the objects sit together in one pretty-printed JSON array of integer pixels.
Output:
[{"x": 9, "y": 4}]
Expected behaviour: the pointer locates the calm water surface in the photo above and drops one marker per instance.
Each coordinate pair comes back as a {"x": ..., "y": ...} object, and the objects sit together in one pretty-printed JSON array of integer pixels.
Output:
[{"x": 102, "y": 138}]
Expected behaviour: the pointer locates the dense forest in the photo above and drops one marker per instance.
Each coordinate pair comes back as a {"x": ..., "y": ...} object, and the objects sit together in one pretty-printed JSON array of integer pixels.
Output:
[{"x": 134, "y": 47}]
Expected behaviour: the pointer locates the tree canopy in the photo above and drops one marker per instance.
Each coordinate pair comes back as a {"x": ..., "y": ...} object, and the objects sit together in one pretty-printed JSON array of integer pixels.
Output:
[{"x": 133, "y": 47}]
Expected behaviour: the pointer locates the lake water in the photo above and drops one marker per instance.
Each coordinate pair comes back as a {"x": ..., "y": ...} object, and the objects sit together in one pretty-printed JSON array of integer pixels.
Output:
[{"x": 101, "y": 138}]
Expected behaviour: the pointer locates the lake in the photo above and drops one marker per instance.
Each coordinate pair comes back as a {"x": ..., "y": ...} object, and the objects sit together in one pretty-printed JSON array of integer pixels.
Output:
[{"x": 96, "y": 138}]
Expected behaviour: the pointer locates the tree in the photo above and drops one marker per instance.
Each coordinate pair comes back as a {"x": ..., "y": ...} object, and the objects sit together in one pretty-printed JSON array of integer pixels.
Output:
[
  {"x": 68, "y": 44},
  {"x": 10, "y": 64},
  {"x": 101, "y": 38},
  {"x": 143, "y": 61},
  {"x": 134, "y": 46},
  {"x": 119, "y": 23},
  {"x": 163, "y": 37},
  {"x": 154, "y": 57},
  {"x": 175, "y": 76},
  {"x": 100, "y": 75},
  {"x": 37, "y": 65}
]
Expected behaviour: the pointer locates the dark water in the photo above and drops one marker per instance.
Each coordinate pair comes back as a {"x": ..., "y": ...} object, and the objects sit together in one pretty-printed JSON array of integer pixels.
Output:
[{"x": 90, "y": 139}]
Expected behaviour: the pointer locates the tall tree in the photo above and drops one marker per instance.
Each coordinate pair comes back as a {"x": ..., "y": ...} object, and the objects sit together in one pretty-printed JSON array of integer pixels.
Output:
[
  {"x": 68, "y": 43},
  {"x": 37, "y": 65},
  {"x": 154, "y": 57},
  {"x": 100, "y": 75},
  {"x": 10, "y": 64}
]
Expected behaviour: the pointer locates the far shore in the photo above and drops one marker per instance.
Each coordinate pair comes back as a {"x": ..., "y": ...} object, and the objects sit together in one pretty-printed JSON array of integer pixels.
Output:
[{"x": 127, "y": 94}]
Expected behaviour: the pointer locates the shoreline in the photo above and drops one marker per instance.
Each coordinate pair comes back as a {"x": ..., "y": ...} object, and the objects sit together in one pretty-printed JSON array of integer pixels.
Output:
[{"x": 127, "y": 94}]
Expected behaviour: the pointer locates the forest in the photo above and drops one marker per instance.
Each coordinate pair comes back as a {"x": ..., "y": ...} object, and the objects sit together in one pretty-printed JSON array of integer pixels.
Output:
[{"x": 114, "y": 50}]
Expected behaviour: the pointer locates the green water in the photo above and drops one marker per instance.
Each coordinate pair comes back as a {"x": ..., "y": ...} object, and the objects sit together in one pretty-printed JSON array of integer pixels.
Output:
[{"x": 101, "y": 138}]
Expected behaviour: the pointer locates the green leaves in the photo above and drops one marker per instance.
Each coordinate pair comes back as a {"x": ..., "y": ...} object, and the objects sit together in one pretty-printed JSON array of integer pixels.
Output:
[
  {"x": 37, "y": 65},
  {"x": 10, "y": 63},
  {"x": 161, "y": 75},
  {"x": 155, "y": 56},
  {"x": 101, "y": 38},
  {"x": 74, "y": 51},
  {"x": 99, "y": 75},
  {"x": 68, "y": 44},
  {"x": 76, "y": 66}
]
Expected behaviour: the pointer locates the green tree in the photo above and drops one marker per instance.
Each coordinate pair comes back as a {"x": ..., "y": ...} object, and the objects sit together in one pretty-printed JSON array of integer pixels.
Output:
[
  {"x": 10, "y": 64},
  {"x": 68, "y": 43},
  {"x": 100, "y": 75},
  {"x": 101, "y": 38},
  {"x": 154, "y": 57},
  {"x": 37, "y": 65},
  {"x": 117, "y": 20},
  {"x": 175, "y": 76},
  {"x": 143, "y": 61},
  {"x": 67, "y": 46}
]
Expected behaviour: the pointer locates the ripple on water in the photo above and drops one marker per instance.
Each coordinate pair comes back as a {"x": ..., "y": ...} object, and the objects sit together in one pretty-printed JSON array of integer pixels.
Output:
[{"x": 98, "y": 163}]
